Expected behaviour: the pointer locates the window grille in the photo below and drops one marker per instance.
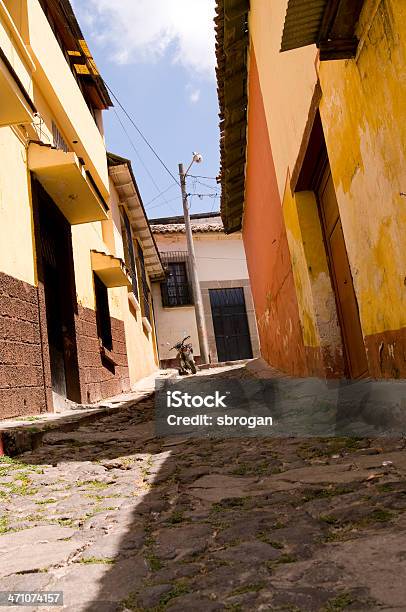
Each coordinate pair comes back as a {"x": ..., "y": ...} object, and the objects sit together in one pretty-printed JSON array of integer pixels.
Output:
[
  {"x": 59, "y": 142},
  {"x": 146, "y": 307},
  {"x": 176, "y": 290},
  {"x": 103, "y": 319},
  {"x": 129, "y": 255}
]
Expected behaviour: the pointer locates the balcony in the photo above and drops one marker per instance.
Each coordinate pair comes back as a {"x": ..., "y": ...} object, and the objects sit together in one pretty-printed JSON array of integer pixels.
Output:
[
  {"x": 16, "y": 69},
  {"x": 110, "y": 270},
  {"x": 56, "y": 83},
  {"x": 69, "y": 185}
]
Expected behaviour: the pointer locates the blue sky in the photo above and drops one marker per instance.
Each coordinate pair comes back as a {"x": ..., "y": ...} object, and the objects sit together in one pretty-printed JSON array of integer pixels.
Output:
[{"x": 157, "y": 56}]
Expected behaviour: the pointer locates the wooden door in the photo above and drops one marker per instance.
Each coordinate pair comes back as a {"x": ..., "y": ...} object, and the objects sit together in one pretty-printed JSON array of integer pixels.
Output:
[
  {"x": 342, "y": 281},
  {"x": 230, "y": 323},
  {"x": 57, "y": 275}
]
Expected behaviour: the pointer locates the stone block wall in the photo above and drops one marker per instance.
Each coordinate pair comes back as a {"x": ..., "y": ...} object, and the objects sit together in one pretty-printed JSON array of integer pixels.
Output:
[
  {"x": 100, "y": 379},
  {"x": 22, "y": 387}
]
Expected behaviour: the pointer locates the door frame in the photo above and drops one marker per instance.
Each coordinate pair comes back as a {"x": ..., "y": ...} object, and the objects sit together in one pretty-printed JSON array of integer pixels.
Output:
[
  {"x": 42, "y": 203},
  {"x": 319, "y": 176},
  {"x": 243, "y": 314}
]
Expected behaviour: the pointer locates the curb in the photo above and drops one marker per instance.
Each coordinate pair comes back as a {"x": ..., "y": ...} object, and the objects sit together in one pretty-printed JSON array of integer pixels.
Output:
[
  {"x": 223, "y": 364},
  {"x": 17, "y": 440}
]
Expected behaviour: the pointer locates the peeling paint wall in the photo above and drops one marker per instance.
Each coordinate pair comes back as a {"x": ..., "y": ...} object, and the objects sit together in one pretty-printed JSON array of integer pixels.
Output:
[{"x": 363, "y": 112}]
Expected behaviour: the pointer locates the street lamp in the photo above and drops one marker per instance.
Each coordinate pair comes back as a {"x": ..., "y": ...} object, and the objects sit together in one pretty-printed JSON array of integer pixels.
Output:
[{"x": 197, "y": 294}]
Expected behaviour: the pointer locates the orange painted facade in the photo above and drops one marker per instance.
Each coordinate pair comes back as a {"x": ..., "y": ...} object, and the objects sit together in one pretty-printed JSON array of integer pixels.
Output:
[{"x": 267, "y": 248}]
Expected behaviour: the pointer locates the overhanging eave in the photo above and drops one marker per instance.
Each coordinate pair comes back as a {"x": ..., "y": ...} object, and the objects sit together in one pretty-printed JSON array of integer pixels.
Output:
[{"x": 111, "y": 270}]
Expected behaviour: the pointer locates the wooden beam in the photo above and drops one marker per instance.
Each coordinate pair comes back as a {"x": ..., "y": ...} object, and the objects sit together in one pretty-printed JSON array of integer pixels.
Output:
[{"x": 338, "y": 49}]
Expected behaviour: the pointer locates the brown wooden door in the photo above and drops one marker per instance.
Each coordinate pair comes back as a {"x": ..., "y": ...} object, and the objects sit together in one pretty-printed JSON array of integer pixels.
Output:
[
  {"x": 346, "y": 299},
  {"x": 56, "y": 271}
]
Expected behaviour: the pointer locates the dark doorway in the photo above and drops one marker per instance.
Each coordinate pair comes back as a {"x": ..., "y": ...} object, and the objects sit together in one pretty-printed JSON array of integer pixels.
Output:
[
  {"x": 347, "y": 305},
  {"x": 56, "y": 271},
  {"x": 230, "y": 323}
]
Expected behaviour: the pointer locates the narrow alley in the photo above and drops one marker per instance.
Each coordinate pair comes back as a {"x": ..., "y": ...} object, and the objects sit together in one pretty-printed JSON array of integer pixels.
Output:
[{"x": 120, "y": 520}]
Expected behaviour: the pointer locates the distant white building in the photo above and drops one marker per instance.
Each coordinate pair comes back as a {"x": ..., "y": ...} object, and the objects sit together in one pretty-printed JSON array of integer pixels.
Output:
[{"x": 227, "y": 300}]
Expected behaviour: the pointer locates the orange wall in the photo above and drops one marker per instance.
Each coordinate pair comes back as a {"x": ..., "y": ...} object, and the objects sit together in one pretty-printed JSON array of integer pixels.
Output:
[{"x": 266, "y": 245}]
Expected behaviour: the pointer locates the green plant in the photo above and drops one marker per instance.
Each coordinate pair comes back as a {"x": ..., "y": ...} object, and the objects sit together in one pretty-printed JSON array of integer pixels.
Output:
[
  {"x": 339, "y": 603},
  {"x": 97, "y": 561},
  {"x": 3, "y": 524}
]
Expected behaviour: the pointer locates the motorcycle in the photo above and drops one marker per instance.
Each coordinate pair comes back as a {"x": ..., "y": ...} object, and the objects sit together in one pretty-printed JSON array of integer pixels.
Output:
[{"x": 185, "y": 356}]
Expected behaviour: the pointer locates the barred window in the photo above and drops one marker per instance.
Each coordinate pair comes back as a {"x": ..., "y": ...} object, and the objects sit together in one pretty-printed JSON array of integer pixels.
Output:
[
  {"x": 176, "y": 289},
  {"x": 145, "y": 300},
  {"x": 129, "y": 255},
  {"x": 103, "y": 319}
]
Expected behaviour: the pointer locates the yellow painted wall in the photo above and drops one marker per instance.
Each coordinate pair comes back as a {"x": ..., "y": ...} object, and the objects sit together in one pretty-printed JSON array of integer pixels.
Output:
[
  {"x": 300, "y": 270},
  {"x": 364, "y": 117},
  {"x": 106, "y": 236},
  {"x": 142, "y": 359},
  {"x": 16, "y": 225},
  {"x": 53, "y": 77},
  {"x": 15, "y": 49},
  {"x": 363, "y": 113}
]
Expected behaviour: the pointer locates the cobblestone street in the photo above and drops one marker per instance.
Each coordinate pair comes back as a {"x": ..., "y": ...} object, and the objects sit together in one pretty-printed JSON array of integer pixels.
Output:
[{"x": 120, "y": 520}]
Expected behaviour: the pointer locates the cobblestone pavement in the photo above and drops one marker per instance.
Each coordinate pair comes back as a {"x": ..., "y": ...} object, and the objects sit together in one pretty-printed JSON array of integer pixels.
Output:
[{"x": 120, "y": 520}]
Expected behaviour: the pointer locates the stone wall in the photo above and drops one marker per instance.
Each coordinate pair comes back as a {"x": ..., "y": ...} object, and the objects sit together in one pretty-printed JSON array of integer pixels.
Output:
[
  {"x": 99, "y": 378},
  {"x": 22, "y": 389}
]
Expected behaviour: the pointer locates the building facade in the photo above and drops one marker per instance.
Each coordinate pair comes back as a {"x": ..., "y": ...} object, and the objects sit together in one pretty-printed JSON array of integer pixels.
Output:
[
  {"x": 226, "y": 293},
  {"x": 313, "y": 147},
  {"x": 67, "y": 318}
]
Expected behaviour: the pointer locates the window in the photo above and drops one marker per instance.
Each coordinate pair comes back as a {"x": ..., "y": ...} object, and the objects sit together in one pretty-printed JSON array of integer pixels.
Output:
[
  {"x": 59, "y": 142},
  {"x": 176, "y": 289},
  {"x": 103, "y": 314},
  {"x": 146, "y": 307},
  {"x": 129, "y": 255}
]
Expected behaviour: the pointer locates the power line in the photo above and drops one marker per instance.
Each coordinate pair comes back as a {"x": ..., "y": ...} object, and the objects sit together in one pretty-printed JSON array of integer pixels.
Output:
[
  {"x": 141, "y": 134},
  {"x": 141, "y": 160},
  {"x": 202, "y": 195},
  {"x": 163, "y": 204},
  {"x": 136, "y": 150},
  {"x": 208, "y": 186},
  {"x": 160, "y": 194},
  {"x": 209, "y": 178}
]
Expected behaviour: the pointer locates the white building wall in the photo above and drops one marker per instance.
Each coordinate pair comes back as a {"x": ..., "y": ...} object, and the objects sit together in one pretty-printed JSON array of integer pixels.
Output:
[{"x": 219, "y": 258}]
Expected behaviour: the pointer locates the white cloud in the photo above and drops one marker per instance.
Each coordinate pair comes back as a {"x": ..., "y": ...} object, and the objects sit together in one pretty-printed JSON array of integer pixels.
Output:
[
  {"x": 193, "y": 93},
  {"x": 146, "y": 30}
]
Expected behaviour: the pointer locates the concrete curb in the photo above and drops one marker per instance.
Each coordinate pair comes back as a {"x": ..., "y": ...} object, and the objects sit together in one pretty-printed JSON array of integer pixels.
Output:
[
  {"x": 222, "y": 364},
  {"x": 27, "y": 437}
]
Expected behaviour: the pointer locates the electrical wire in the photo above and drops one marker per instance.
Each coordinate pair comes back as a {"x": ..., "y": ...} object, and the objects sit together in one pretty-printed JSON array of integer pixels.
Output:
[
  {"x": 142, "y": 135},
  {"x": 163, "y": 204},
  {"x": 208, "y": 186},
  {"x": 130, "y": 140},
  {"x": 202, "y": 195},
  {"x": 160, "y": 194}
]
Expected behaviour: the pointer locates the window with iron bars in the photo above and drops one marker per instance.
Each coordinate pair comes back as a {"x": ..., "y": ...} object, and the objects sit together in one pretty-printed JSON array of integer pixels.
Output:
[
  {"x": 176, "y": 290},
  {"x": 129, "y": 255},
  {"x": 145, "y": 299}
]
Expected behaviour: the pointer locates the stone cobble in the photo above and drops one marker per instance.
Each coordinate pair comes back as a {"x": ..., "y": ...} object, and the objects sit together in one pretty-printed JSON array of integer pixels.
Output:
[{"x": 120, "y": 520}]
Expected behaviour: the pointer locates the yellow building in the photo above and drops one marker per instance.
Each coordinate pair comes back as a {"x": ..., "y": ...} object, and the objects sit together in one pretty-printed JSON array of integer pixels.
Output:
[
  {"x": 76, "y": 253},
  {"x": 312, "y": 99}
]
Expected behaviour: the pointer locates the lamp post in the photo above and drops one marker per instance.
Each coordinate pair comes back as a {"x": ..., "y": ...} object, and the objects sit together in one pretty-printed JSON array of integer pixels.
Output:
[{"x": 197, "y": 294}]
